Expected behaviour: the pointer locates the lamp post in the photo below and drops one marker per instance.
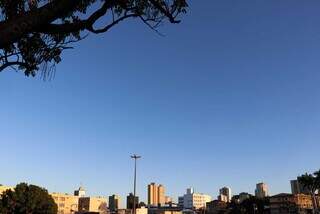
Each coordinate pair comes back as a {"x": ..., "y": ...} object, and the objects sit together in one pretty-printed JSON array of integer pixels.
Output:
[{"x": 135, "y": 157}]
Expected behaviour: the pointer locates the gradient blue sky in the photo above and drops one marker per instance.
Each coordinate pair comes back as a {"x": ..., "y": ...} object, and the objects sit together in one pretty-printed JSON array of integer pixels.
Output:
[{"x": 228, "y": 97}]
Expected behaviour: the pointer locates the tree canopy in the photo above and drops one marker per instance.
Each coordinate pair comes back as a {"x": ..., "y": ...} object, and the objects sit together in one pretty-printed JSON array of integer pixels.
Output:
[
  {"x": 34, "y": 33},
  {"x": 311, "y": 182},
  {"x": 27, "y": 199}
]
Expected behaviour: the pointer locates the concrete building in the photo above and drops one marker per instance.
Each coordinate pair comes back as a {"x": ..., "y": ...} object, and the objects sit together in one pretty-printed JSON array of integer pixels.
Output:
[
  {"x": 297, "y": 188},
  {"x": 80, "y": 192},
  {"x": 142, "y": 210},
  {"x": 161, "y": 195},
  {"x": 261, "y": 190},
  {"x": 165, "y": 210},
  {"x": 193, "y": 200},
  {"x": 156, "y": 195},
  {"x": 153, "y": 194},
  {"x": 225, "y": 194},
  {"x": 67, "y": 204},
  {"x": 180, "y": 201},
  {"x": 114, "y": 202},
  {"x": 288, "y": 203},
  {"x": 168, "y": 200},
  {"x": 93, "y": 204},
  {"x": 124, "y": 211},
  {"x": 130, "y": 201},
  {"x": 216, "y": 207}
]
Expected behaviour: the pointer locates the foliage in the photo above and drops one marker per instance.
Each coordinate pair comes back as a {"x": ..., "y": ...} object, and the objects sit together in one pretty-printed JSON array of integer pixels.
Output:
[
  {"x": 252, "y": 205},
  {"x": 34, "y": 33},
  {"x": 27, "y": 199},
  {"x": 311, "y": 182}
]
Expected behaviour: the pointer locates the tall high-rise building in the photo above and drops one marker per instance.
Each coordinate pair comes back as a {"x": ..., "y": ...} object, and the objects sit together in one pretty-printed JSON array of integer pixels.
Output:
[
  {"x": 225, "y": 194},
  {"x": 114, "y": 202},
  {"x": 130, "y": 201},
  {"x": 161, "y": 195},
  {"x": 261, "y": 190},
  {"x": 153, "y": 194},
  {"x": 297, "y": 188},
  {"x": 156, "y": 194}
]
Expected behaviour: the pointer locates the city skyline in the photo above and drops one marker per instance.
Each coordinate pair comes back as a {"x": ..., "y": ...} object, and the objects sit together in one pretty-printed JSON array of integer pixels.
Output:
[
  {"x": 228, "y": 97},
  {"x": 82, "y": 192}
]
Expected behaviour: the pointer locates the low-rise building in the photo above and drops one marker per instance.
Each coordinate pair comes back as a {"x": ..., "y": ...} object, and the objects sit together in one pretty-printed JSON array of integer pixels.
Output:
[
  {"x": 288, "y": 203},
  {"x": 168, "y": 200},
  {"x": 193, "y": 200},
  {"x": 216, "y": 206},
  {"x": 141, "y": 210},
  {"x": 165, "y": 210},
  {"x": 67, "y": 204},
  {"x": 93, "y": 204}
]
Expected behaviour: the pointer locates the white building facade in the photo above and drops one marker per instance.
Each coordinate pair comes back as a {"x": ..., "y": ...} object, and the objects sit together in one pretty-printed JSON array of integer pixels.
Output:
[{"x": 193, "y": 200}]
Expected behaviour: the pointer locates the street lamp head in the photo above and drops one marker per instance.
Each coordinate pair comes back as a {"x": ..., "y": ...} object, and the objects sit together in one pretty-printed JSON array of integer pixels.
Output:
[{"x": 135, "y": 156}]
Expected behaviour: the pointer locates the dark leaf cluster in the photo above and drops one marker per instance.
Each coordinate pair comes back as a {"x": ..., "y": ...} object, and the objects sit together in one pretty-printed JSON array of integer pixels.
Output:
[{"x": 34, "y": 33}]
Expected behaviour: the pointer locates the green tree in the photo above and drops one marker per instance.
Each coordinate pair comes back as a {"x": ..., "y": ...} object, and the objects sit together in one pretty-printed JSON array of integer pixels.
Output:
[
  {"x": 252, "y": 205},
  {"x": 311, "y": 182},
  {"x": 34, "y": 33},
  {"x": 27, "y": 199}
]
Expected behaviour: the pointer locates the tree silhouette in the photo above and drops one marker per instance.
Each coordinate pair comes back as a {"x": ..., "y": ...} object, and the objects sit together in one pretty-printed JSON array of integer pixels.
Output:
[
  {"x": 311, "y": 182},
  {"x": 27, "y": 199},
  {"x": 34, "y": 33}
]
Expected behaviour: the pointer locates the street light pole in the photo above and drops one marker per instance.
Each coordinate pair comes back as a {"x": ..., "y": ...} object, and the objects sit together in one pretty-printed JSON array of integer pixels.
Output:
[{"x": 135, "y": 157}]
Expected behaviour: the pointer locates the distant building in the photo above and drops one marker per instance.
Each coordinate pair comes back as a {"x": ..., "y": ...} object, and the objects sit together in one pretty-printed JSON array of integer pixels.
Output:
[
  {"x": 180, "y": 201},
  {"x": 93, "y": 204},
  {"x": 80, "y": 192},
  {"x": 156, "y": 194},
  {"x": 297, "y": 188},
  {"x": 67, "y": 204},
  {"x": 225, "y": 194},
  {"x": 168, "y": 200},
  {"x": 216, "y": 206},
  {"x": 165, "y": 210},
  {"x": 124, "y": 211},
  {"x": 114, "y": 202},
  {"x": 161, "y": 195},
  {"x": 142, "y": 210},
  {"x": 288, "y": 203},
  {"x": 261, "y": 190},
  {"x": 193, "y": 200},
  {"x": 130, "y": 201},
  {"x": 153, "y": 194}
]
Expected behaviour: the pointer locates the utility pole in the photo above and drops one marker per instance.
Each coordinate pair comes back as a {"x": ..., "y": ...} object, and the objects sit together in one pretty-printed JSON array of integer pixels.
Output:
[{"x": 135, "y": 157}]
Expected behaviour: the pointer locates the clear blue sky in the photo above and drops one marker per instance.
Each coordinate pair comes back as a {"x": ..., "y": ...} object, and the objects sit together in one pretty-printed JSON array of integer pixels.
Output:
[{"x": 228, "y": 97}]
